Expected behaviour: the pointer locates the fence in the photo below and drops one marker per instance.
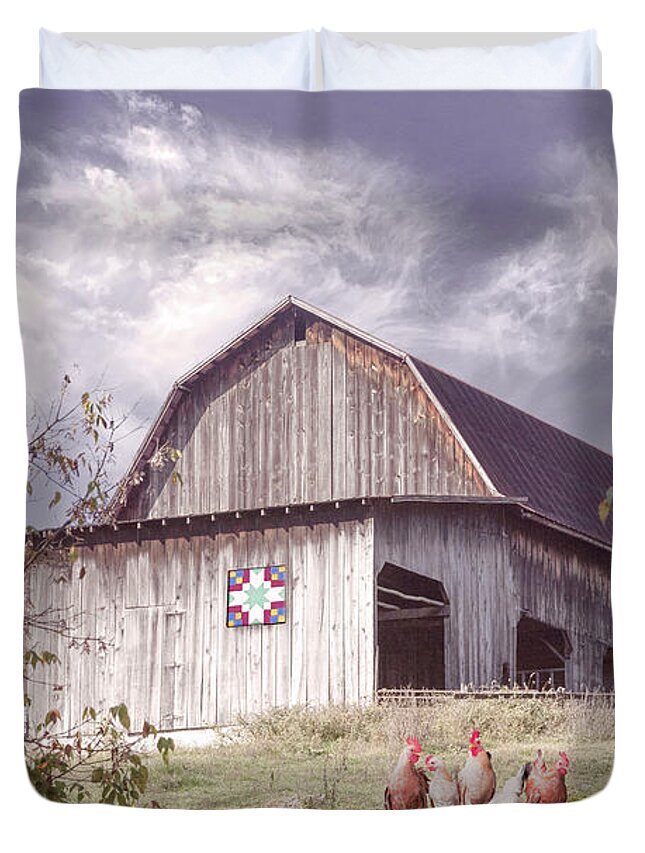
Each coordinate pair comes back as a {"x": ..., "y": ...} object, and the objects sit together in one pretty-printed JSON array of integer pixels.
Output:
[{"x": 425, "y": 696}]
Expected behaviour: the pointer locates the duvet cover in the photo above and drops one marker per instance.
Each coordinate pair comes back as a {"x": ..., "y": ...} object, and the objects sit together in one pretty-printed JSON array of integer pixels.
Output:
[{"x": 319, "y": 408}]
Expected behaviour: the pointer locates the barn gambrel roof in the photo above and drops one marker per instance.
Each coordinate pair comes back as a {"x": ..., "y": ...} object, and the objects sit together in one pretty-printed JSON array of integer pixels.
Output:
[
  {"x": 563, "y": 477},
  {"x": 559, "y": 477}
]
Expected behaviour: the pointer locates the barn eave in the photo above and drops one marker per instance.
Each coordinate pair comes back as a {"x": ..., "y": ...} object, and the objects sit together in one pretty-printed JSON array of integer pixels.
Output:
[{"x": 189, "y": 523}]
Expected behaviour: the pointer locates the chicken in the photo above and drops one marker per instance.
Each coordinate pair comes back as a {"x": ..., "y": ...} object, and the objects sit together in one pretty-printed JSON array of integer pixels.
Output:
[
  {"x": 538, "y": 765},
  {"x": 476, "y": 779},
  {"x": 443, "y": 790},
  {"x": 407, "y": 786},
  {"x": 547, "y": 786},
  {"x": 512, "y": 790}
]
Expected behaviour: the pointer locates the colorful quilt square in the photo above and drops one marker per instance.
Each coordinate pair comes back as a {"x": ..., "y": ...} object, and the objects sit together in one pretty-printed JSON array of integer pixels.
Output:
[{"x": 256, "y": 596}]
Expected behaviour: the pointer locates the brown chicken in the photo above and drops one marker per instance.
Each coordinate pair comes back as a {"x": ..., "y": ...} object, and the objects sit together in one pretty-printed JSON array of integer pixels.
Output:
[
  {"x": 547, "y": 786},
  {"x": 443, "y": 789},
  {"x": 476, "y": 779},
  {"x": 407, "y": 786}
]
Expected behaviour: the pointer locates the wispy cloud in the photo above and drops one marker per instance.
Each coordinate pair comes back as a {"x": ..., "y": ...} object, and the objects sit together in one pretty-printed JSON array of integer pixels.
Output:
[{"x": 195, "y": 229}]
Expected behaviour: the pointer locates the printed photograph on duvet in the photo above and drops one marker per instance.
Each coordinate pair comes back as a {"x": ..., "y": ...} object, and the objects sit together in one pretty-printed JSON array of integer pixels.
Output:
[{"x": 319, "y": 502}]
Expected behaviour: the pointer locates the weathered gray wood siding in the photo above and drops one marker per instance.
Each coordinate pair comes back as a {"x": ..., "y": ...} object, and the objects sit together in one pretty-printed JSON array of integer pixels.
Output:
[
  {"x": 567, "y": 584},
  {"x": 281, "y": 421},
  {"x": 464, "y": 548},
  {"x": 496, "y": 566},
  {"x": 161, "y": 606}
]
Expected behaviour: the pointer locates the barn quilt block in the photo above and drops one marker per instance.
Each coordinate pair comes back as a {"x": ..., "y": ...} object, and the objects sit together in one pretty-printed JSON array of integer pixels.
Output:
[{"x": 256, "y": 596}]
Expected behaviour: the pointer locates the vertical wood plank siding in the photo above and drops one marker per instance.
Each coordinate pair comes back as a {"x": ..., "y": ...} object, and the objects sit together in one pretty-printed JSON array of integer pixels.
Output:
[
  {"x": 281, "y": 421},
  {"x": 462, "y": 547},
  {"x": 567, "y": 584},
  {"x": 496, "y": 567},
  {"x": 161, "y": 606},
  {"x": 170, "y": 656}
]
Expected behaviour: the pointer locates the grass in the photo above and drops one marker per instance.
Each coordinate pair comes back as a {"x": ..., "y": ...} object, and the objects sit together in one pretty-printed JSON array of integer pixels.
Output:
[{"x": 339, "y": 758}]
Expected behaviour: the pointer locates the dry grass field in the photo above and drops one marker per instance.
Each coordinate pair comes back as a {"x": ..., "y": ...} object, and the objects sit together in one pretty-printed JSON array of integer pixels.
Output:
[{"x": 338, "y": 758}]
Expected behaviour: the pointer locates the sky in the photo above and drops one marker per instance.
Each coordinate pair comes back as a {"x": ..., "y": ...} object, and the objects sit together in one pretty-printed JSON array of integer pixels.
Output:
[{"x": 475, "y": 230}]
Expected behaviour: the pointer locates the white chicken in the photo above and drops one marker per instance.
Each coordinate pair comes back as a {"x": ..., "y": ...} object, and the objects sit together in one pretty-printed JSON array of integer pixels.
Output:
[
  {"x": 513, "y": 787},
  {"x": 476, "y": 779},
  {"x": 443, "y": 790}
]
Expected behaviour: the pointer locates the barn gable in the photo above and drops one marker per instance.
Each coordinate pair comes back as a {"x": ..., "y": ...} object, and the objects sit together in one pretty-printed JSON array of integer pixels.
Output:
[{"x": 302, "y": 409}]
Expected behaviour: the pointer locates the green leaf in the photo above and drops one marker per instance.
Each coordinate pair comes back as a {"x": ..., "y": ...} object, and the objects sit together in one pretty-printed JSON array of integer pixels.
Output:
[
  {"x": 55, "y": 500},
  {"x": 165, "y": 745},
  {"x": 124, "y": 717}
]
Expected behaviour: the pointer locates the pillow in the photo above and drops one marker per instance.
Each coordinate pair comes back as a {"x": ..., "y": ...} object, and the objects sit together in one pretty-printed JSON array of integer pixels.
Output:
[
  {"x": 286, "y": 62},
  {"x": 567, "y": 62}
]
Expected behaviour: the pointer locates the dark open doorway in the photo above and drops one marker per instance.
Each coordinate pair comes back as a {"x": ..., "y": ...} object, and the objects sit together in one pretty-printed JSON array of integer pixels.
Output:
[
  {"x": 608, "y": 669},
  {"x": 542, "y": 651},
  {"x": 411, "y": 613}
]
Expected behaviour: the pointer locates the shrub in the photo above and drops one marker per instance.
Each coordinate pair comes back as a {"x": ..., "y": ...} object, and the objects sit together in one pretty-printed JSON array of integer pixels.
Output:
[{"x": 96, "y": 761}]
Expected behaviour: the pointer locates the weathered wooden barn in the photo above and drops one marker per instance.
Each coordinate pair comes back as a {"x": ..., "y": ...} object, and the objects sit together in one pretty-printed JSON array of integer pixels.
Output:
[{"x": 421, "y": 532}]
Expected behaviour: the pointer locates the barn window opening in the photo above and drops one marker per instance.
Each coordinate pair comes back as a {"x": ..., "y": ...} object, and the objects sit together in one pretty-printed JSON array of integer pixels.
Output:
[
  {"x": 608, "y": 669},
  {"x": 542, "y": 651},
  {"x": 300, "y": 327},
  {"x": 412, "y": 609}
]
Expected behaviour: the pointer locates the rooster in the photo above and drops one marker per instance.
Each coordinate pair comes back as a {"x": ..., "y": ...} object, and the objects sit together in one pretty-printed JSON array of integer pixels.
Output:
[
  {"x": 512, "y": 790},
  {"x": 407, "y": 786},
  {"x": 547, "y": 786},
  {"x": 476, "y": 779},
  {"x": 443, "y": 790}
]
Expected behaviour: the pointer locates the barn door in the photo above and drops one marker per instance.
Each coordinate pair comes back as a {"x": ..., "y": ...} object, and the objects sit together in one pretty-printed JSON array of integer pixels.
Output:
[
  {"x": 155, "y": 667},
  {"x": 173, "y": 671},
  {"x": 142, "y": 638}
]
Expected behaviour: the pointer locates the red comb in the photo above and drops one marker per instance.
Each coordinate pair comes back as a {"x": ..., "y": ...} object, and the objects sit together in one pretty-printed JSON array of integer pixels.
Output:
[
  {"x": 414, "y": 743},
  {"x": 565, "y": 758},
  {"x": 474, "y": 736},
  {"x": 429, "y": 758}
]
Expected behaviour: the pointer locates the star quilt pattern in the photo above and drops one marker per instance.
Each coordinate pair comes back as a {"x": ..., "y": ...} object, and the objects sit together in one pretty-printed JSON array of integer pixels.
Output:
[{"x": 256, "y": 596}]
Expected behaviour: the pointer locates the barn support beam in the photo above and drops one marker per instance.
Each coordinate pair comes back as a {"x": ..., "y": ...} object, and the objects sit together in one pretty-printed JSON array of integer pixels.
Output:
[
  {"x": 407, "y": 597},
  {"x": 441, "y": 612}
]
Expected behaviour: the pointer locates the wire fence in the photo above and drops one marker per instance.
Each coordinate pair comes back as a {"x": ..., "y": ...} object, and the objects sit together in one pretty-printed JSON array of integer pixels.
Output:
[{"x": 407, "y": 696}]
